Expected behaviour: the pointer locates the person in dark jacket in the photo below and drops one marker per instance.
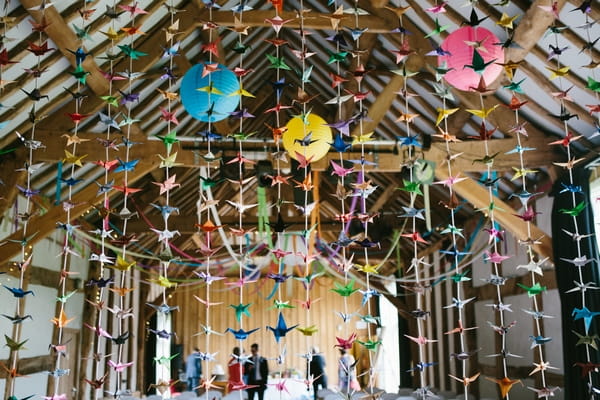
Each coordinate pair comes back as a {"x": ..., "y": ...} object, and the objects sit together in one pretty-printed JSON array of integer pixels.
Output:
[
  {"x": 257, "y": 373},
  {"x": 316, "y": 371}
]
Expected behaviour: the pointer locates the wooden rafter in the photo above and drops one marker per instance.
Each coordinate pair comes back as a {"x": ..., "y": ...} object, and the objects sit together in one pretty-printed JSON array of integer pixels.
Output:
[
  {"x": 383, "y": 155},
  {"x": 479, "y": 197},
  {"x": 319, "y": 21},
  {"x": 45, "y": 224}
]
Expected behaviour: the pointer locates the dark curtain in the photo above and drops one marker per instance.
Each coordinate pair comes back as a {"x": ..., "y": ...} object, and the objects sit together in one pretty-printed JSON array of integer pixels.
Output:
[{"x": 576, "y": 385}]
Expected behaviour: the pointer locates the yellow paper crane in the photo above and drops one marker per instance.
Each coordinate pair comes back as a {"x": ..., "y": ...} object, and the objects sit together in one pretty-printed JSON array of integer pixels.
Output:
[{"x": 443, "y": 113}]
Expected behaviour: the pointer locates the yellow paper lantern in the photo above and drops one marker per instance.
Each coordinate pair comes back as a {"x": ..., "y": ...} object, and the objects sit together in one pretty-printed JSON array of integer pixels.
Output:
[{"x": 311, "y": 129}]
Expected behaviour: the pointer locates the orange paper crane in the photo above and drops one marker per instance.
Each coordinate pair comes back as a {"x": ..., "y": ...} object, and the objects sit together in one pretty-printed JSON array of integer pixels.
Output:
[
  {"x": 505, "y": 384},
  {"x": 61, "y": 321},
  {"x": 11, "y": 372},
  {"x": 466, "y": 381}
]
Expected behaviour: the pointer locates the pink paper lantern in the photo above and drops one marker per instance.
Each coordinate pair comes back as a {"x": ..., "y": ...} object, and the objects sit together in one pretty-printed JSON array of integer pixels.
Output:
[{"x": 461, "y": 44}]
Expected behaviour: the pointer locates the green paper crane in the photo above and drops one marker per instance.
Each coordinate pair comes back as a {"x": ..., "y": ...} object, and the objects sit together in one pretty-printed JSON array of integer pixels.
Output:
[
  {"x": 491, "y": 207},
  {"x": 460, "y": 277},
  {"x": 240, "y": 310},
  {"x": 344, "y": 290},
  {"x": 593, "y": 85},
  {"x": 340, "y": 56},
  {"x": 278, "y": 63},
  {"x": 14, "y": 345},
  {"x": 370, "y": 344},
  {"x": 169, "y": 140},
  {"x": 63, "y": 299},
  {"x": 278, "y": 304},
  {"x": 438, "y": 29},
  {"x": 110, "y": 100},
  {"x": 533, "y": 290},
  {"x": 477, "y": 64},
  {"x": 80, "y": 74},
  {"x": 131, "y": 52},
  {"x": 164, "y": 360},
  {"x": 515, "y": 86},
  {"x": 411, "y": 187},
  {"x": 453, "y": 230},
  {"x": 82, "y": 34},
  {"x": 575, "y": 211}
]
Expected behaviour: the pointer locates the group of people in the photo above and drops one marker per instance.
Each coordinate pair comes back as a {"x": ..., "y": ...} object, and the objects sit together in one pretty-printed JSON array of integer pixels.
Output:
[{"x": 251, "y": 373}]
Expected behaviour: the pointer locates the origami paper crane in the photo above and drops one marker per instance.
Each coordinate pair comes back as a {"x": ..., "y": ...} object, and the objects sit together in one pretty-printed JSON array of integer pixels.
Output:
[
  {"x": 420, "y": 366},
  {"x": 241, "y": 334},
  {"x": 539, "y": 340},
  {"x": 466, "y": 381},
  {"x": 505, "y": 384},
  {"x": 542, "y": 366},
  {"x": 240, "y": 310},
  {"x": 308, "y": 330},
  {"x": 533, "y": 290},
  {"x": 587, "y": 367},
  {"x": 119, "y": 367},
  {"x": 97, "y": 383},
  {"x": 17, "y": 319},
  {"x": 164, "y": 360},
  {"x": 344, "y": 290},
  {"x": 585, "y": 314},
  {"x": 14, "y": 345},
  {"x": 370, "y": 344},
  {"x": 19, "y": 292},
  {"x": 544, "y": 392}
]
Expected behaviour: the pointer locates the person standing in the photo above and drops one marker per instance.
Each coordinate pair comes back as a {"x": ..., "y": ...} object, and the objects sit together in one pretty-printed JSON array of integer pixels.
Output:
[
  {"x": 235, "y": 370},
  {"x": 317, "y": 371},
  {"x": 193, "y": 370},
  {"x": 257, "y": 373},
  {"x": 346, "y": 372}
]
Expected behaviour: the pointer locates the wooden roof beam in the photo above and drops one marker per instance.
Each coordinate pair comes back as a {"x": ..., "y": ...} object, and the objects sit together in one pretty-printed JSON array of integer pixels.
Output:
[
  {"x": 185, "y": 223},
  {"x": 479, "y": 197},
  {"x": 318, "y": 21},
  {"x": 46, "y": 223},
  {"x": 383, "y": 154}
]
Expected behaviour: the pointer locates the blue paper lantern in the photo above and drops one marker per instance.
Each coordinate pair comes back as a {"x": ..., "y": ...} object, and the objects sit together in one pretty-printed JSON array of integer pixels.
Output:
[{"x": 212, "y": 97}]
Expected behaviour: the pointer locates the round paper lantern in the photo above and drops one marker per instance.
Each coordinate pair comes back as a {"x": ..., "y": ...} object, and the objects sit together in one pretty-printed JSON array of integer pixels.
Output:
[
  {"x": 310, "y": 140},
  {"x": 461, "y": 44},
  {"x": 212, "y": 97}
]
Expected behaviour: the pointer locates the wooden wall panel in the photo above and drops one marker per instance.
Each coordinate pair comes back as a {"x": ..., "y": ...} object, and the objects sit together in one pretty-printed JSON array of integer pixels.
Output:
[{"x": 322, "y": 314}]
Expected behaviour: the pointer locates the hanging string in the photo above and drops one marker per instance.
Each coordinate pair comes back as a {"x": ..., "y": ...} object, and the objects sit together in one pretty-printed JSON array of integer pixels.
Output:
[
  {"x": 365, "y": 217},
  {"x": 574, "y": 231},
  {"x": 26, "y": 254},
  {"x": 123, "y": 263},
  {"x": 458, "y": 276},
  {"x": 241, "y": 309},
  {"x": 164, "y": 356},
  {"x": 61, "y": 320},
  {"x": 278, "y": 249},
  {"x": 495, "y": 236},
  {"x": 108, "y": 120},
  {"x": 413, "y": 187}
]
